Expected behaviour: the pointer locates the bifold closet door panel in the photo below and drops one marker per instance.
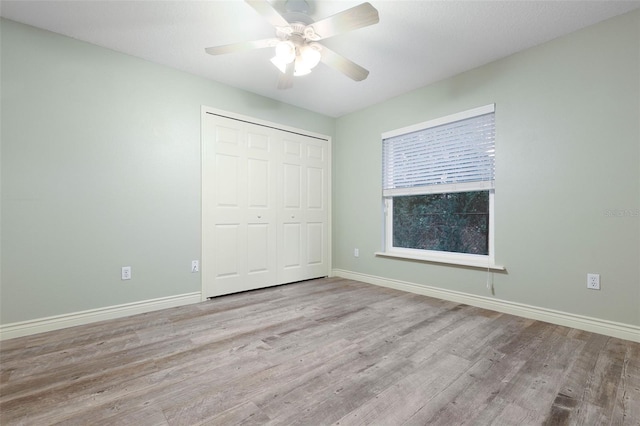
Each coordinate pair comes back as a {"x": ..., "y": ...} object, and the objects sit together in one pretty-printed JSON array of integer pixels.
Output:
[
  {"x": 303, "y": 212},
  {"x": 239, "y": 241}
]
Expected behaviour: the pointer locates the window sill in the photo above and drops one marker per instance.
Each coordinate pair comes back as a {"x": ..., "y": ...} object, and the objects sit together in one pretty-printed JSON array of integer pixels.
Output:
[{"x": 444, "y": 259}]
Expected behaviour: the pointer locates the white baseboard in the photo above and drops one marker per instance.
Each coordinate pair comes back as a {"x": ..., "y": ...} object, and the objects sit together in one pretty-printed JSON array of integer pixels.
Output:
[
  {"x": 608, "y": 328},
  {"x": 26, "y": 328}
]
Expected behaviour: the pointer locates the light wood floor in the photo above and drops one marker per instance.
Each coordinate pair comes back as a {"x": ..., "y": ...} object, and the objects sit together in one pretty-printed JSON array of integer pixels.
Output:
[{"x": 328, "y": 351}]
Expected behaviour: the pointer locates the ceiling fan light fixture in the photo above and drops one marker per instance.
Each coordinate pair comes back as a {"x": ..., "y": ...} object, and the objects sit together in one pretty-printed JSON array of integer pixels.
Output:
[
  {"x": 301, "y": 69},
  {"x": 285, "y": 51},
  {"x": 309, "y": 55}
]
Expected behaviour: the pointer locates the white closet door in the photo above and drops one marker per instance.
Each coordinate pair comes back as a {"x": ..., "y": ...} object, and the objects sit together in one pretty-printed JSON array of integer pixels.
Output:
[
  {"x": 264, "y": 206},
  {"x": 303, "y": 212},
  {"x": 239, "y": 243}
]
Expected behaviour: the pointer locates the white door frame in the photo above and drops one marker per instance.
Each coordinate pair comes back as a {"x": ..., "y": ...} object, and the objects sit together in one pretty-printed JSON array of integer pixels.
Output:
[{"x": 226, "y": 114}]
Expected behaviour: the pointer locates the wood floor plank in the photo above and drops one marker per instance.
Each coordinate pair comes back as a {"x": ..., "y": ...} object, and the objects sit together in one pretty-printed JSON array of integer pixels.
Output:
[
  {"x": 476, "y": 391},
  {"x": 333, "y": 393},
  {"x": 627, "y": 408},
  {"x": 172, "y": 369},
  {"x": 399, "y": 402},
  {"x": 578, "y": 380},
  {"x": 454, "y": 333},
  {"x": 246, "y": 413},
  {"x": 464, "y": 398},
  {"x": 242, "y": 387},
  {"x": 320, "y": 352},
  {"x": 537, "y": 383}
]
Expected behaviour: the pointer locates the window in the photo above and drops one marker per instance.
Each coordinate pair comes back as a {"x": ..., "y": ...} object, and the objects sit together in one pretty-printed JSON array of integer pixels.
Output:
[
  {"x": 455, "y": 222},
  {"x": 438, "y": 189}
]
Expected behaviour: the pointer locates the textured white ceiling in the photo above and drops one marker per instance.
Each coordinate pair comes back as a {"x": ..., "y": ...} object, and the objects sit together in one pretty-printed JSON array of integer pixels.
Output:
[{"x": 414, "y": 44}]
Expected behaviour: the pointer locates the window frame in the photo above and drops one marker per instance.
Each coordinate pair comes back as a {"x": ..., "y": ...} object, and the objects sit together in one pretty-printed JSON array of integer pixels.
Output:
[{"x": 451, "y": 258}]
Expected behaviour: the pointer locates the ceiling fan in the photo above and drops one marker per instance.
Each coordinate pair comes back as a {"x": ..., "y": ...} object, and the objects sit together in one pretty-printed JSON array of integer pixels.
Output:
[{"x": 297, "y": 50}]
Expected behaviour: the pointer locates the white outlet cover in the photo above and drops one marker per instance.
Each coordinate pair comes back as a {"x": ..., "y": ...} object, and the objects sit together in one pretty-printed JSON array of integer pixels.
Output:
[
  {"x": 125, "y": 273},
  {"x": 593, "y": 281}
]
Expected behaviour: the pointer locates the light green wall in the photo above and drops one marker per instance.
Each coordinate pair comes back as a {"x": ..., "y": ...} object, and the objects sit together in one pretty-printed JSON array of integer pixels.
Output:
[
  {"x": 101, "y": 169},
  {"x": 568, "y": 151}
]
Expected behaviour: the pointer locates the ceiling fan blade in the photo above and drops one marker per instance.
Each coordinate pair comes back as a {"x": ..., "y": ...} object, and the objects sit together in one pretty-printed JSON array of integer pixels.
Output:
[
  {"x": 240, "y": 47},
  {"x": 286, "y": 78},
  {"x": 351, "y": 19},
  {"x": 266, "y": 10},
  {"x": 344, "y": 65}
]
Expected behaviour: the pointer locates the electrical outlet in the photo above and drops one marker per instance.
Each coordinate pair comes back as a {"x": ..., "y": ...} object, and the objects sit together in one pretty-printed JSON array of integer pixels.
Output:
[
  {"x": 356, "y": 252},
  {"x": 593, "y": 281},
  {"x": 195, "y": 266},
  {"x": 126, "y": 273}
]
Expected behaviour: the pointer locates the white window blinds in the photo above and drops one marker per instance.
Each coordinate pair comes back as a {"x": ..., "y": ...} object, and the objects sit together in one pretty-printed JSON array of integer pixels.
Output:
[{"x": 451, "y": 154}]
